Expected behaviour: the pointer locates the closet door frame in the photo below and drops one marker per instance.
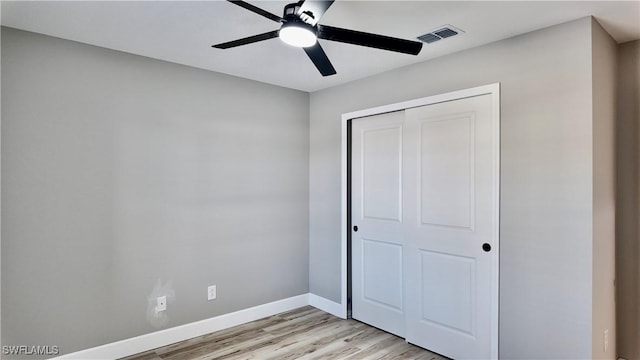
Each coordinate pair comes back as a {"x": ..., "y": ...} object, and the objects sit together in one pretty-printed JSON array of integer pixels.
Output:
[{"x": 491, "y": 89}]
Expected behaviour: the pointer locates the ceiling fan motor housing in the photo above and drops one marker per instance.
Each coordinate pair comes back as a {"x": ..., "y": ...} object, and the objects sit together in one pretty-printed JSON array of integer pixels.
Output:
[
  {"x": 292, "y": 12},
  {"x": 290, "y": 9}
]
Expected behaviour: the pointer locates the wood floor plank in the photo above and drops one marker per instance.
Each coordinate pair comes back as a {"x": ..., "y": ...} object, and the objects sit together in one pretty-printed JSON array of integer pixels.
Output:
[
  {"x": 305, "y": 333},
  {"x": 296, "y": 340},
  {"x": 300, "y": 324},
  {"x": 217, "y": 347},
  {"x": 333, "y": 348},
  {"x": 340, "y": 352},
  {"x": 376, "y": 350},
  {"x": 404, "y": 351},
  {"x": 367, "y": 337},
  {"x": 324, "y": 337},
  {"x": 220, "y": 343}
]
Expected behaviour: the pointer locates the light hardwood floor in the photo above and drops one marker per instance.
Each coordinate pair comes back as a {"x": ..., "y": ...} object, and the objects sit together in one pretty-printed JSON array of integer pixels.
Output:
[{"x": 304, "y": 333}]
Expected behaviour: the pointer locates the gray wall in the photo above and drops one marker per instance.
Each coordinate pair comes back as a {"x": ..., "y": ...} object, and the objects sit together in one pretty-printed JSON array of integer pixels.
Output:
[
  {"x": 604, "y": 52},
  {"x": 546, "y": 178},
  {"x": 628, "y": 201},
  {"x": 123, "y": 174}
]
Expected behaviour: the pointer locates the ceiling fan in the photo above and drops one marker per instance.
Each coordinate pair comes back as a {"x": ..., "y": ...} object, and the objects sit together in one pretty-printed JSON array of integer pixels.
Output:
[{"x": 299, "y": 27}]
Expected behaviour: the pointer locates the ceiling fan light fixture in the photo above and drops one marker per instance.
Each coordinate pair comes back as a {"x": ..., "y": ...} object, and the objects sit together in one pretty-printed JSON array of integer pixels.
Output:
[{"x": 298, "y": 34}]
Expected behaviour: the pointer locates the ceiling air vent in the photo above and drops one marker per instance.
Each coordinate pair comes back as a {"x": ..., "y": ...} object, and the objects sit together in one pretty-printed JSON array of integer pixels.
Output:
[{"x": 440, "y": 33}]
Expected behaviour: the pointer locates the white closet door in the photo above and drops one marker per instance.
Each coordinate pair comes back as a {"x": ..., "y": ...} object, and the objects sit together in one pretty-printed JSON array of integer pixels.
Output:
[
  {"x": 424, "y": 194},
  {"x": 376, "y": 203},
  {"x": 451, "y": 208}
]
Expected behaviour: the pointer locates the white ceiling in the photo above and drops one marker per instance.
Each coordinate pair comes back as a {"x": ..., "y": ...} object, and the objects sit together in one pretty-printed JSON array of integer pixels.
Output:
[{"x": 183, "y": 31}]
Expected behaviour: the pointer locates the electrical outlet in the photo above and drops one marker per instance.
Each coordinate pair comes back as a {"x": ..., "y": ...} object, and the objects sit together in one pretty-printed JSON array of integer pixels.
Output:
[
  {"x": 212, "y": 292},
  {"x": 161, "y": 303},
  {"x": 606, "y": 340}
]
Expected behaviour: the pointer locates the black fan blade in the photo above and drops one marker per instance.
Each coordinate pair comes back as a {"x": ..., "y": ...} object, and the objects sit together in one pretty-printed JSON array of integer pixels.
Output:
[
  {"x": 247, "y": 40},
  {"x": 320, "y": 59},
  {"x": 370, "y": 40},
  {"x": 314, "y": 9},
  {"x": 257, "y": 10}
]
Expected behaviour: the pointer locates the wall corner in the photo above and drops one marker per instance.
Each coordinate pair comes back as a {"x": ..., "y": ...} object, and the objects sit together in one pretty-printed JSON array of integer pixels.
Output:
[{"x": 603, "y": 100}]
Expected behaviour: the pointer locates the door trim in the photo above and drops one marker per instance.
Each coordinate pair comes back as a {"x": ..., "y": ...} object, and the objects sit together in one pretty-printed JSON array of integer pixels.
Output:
[{"x": 491, "y": 89}]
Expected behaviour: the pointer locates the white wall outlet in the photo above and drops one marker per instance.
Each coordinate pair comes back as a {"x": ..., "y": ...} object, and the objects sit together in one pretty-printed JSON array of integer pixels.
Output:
[
  {"x": 161, "y": 303},
  {"x": 212, "y": 292},
  {"x": 605, "y": 344}
]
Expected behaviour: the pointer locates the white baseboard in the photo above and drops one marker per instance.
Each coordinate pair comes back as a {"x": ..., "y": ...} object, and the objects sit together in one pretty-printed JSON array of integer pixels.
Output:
[
  {"x": 165, "y": 337},
  {"x": 146, "y": 342},
  {"x": 329, "y": 306}
]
